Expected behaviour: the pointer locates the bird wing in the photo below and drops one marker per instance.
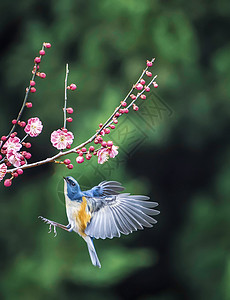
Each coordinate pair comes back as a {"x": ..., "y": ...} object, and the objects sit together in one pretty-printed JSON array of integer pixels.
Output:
[
  {"x": 123, "y": 213},
  {"x": 105, "y": 188},
  {"x": 111, "y": 187}
]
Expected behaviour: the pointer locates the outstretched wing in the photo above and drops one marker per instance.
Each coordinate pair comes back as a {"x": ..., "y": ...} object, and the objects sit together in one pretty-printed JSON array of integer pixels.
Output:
[
  {"x": 123, "y": 213},
  {"x": 105, "y": 188}
]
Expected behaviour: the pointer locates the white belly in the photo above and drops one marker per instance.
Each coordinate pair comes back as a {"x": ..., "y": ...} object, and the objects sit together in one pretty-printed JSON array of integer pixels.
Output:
[{"x": 72, "y": 208}]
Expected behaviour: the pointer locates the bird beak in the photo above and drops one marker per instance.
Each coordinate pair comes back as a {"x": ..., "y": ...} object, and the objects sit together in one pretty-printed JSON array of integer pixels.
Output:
[{"x": 64, "y": 178}]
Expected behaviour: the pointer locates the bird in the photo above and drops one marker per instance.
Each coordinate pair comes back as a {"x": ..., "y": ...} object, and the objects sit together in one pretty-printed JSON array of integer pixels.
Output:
[{"x": 103, "y": 212}]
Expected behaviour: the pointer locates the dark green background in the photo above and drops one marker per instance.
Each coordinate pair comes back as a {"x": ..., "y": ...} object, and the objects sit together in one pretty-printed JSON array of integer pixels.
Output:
[{"x": 179, "y": 156}]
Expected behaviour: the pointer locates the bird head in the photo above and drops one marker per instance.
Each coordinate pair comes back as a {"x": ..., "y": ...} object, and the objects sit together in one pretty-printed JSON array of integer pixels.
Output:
[{"x": 72, "y": 188}]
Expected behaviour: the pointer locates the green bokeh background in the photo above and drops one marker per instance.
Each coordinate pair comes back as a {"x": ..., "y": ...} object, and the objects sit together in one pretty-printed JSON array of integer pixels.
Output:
[{"x": 180, "y": 155}]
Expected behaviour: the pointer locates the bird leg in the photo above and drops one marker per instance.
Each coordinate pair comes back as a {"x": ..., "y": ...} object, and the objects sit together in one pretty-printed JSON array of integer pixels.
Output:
[{"x": 55, "y": 224}]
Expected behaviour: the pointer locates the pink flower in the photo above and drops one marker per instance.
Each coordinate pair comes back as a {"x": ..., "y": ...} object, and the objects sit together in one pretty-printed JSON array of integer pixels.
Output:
[
  {"x": 3, "y": 169},
  {"x": 113, "y": 151},
  {"x": 61, "y": 139},
  {"x": 105, "y": 153},
  {"x": 14, "y": 158},
  {"x": 34, "y": 127},
  {"x": 12, "y": 144}
]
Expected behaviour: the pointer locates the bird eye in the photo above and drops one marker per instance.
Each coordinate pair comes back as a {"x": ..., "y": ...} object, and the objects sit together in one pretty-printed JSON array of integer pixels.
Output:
[{"x": 73, "y": 183}]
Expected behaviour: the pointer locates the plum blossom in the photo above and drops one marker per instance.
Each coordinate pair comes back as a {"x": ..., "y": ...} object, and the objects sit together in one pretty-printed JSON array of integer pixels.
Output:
[
  {"x": 3, "y": 169},
  {"x": 12, "y": 144},
  {"x": 113, "y": 151},
  {"x": 34, "y": 127},
  {"x": 61, "y": 138},
  {"x": 14, "y": 158},
  {"x": 104, "y": 154}
]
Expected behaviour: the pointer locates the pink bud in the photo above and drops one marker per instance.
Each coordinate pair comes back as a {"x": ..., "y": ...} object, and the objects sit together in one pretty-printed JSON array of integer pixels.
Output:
[
  {"x": 14, "y": 121},
  {"x": 149, "y": 63},
  {"x": 80, "y": 153},
  {"x": 0, "y": 156},
  {"x": 42, "y": 75},
  {"x": 109, "y": 143},
  {"x": 29, "y": 104},
  {"x": 7, "y": 182},
  {"x": 115, "y": 121},
  {"x": 143, "y": 97},
  {"x": 27, "y": 155},
  {"x": 32, "y": 83},
  {"x": 100, "y": 125},
  {"x": 147, "y": 88},
  {"x": 88, "y": 156},
  {"x": 64, "y": 130},
  {"x": 96, "y": 141},
  {"x": 72, "y": 87},
  {"x": 68, "y": 146},
  {"x": 69, "y": 119},
  {"x": 42, "y": 52},
  {"x": 69, "y": 110},
  {"x": 117, "y": 114},
  {"x": 121, "y": 110},
  {"x": 80, "y": 159},
  {"x": 22, "y": 124},
  {"x": 15, "y": 175},
  {"x": 70, "y": 166},
  {"x": 142, "y": 81},
  {"x": 155, "y": 84},
  {"x": 27, "y": 145},
  {"x": 133, "y": 97},
  {"x": 112, "y": 126},
  {"x": 123, "y": 103},
  {"x": 100, "y": 139},
  {"x": 139, "y": 86},
  {"x": 91, "y": 148},
  {"x": 104, "y": 144},
  {"x": 37, "y": 60},
  {"x": 33, "y": 90},
  {"x": 19, "y": 171},
  {"x": 135, "y": 107},
  {"x": 149, "y": 74},
  {"x": 84, "y": 149},
  {"x": 47, "y": 45},
  {"x": 67, "y": 161},
  {"x": 126, "y": 110},
  {"x": 107, "y": 130}
]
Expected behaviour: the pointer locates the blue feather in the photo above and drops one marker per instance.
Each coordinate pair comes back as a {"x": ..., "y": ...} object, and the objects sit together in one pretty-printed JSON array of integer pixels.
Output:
[{"x": 73, "y": 189}]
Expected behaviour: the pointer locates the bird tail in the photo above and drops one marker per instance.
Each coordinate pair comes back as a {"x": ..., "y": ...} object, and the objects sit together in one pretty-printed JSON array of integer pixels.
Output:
[{"x": 92, "y": 252}]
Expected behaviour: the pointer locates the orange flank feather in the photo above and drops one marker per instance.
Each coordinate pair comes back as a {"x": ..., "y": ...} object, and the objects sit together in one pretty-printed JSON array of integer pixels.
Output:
[{"x": 83, "y": 217}]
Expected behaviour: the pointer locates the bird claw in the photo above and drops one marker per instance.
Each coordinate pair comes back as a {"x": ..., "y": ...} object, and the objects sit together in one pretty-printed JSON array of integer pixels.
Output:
[{"x": 51, "y": 223}]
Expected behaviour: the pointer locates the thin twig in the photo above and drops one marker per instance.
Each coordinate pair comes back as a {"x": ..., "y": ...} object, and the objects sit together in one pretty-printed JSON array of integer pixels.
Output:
[
  {"x": 64, "y": 109},
  {"x": 129, "y": 93},
  {"x": 25, "y": 99}
]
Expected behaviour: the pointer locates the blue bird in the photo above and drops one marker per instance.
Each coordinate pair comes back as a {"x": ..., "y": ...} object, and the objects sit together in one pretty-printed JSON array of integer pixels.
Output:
[{"x": 103, "y": 212}]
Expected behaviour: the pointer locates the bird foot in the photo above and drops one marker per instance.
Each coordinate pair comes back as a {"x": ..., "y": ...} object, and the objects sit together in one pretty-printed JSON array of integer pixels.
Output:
[{"x": 51, "y": 223}]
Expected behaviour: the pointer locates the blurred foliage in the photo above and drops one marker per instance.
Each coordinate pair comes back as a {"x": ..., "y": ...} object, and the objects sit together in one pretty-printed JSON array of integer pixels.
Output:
[{"x": 179, "y": 154}]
